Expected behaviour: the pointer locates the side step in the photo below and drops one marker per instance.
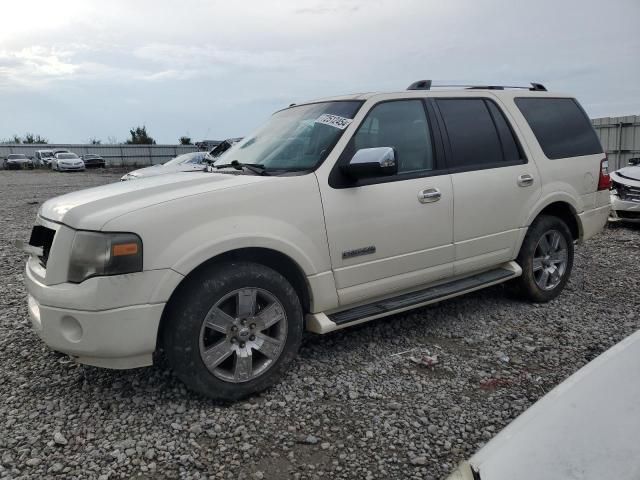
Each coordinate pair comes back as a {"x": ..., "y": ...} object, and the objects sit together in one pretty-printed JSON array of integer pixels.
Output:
[{"x": 322, "y": 323}]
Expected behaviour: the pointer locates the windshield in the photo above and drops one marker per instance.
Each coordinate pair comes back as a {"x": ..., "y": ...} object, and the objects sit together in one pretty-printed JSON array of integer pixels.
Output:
[
  {"x": 195, "y": 157},
  {"x": 16, "y": 156},
  {"x": 297, "y": 138},
  {"x": 67, "y": 155},
  {"x": 46, "y": 153}
]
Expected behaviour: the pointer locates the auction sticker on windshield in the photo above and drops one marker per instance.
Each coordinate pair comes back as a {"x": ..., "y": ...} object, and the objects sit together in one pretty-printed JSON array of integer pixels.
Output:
[{"x": 334, "y": 121}]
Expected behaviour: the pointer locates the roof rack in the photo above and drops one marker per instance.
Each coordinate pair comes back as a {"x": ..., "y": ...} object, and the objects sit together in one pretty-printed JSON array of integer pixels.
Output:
[{"x": 428, "y": 84}]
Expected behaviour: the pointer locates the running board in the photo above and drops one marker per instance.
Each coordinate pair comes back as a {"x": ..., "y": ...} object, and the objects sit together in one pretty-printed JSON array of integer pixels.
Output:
[{"x": 322, "y": 323}]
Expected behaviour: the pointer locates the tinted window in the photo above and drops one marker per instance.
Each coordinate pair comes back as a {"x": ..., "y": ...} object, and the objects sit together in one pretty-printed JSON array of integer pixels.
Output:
[
  {"x": 561, "y": 126},
  {"x": 510, "y": 149},
  {"x": 472, "y": 134},
  {"x": 403, "y": 126}
]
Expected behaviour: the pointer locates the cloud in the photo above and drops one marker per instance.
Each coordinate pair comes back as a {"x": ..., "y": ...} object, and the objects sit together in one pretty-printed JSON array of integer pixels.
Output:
[
  {"x": 34, "y": 65},
  {"x": 219, "y": 68}
]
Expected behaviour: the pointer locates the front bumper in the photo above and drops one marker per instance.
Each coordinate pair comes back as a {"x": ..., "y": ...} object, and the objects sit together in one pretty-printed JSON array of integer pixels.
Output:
[
  {"x": 624, "y": 209},
  {"x": 70, "y": 168},
  {"x": 109, "y": 322}
]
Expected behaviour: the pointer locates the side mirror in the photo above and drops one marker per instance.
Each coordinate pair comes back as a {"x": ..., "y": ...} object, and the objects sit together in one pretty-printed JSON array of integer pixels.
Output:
[
  {"x": 634, "y": 161},
  {"x": 372, "y": 162}
]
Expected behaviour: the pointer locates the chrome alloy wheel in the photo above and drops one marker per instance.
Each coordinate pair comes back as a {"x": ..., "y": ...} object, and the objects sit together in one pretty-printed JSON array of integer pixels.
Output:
[
  {"x": 243, "y": 335},
  {"x": 550, "y": 260}
]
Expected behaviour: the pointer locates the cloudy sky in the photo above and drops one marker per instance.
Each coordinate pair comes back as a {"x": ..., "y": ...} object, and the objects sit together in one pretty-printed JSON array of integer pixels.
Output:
[{"x": 74, "y": 70}]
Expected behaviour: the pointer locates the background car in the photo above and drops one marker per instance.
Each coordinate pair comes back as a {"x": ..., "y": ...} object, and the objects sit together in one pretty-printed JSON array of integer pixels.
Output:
[
  {"x": 91, "y": 160},
  {"x": 219, "y": 149},
  {"x": 17, "y": 161},
  {"x": 188, "y": 162},
  {"x": 67, "y": 161},
  {"x": 625, "y": 192},
  {"x": 42, "y": 158}
]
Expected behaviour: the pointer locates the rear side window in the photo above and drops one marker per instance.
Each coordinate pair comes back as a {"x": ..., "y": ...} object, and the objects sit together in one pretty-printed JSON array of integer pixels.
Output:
[
  {"x": 479, "y": 135},
  {"x": 560, "y": 126}
]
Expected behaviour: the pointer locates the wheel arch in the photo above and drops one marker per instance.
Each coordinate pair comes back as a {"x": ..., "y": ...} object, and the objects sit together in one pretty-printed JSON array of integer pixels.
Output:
[
  {"x": 562, "y": 208},
  {"x": 565, "y": 212},
  {"x": 278, "y": 261}
]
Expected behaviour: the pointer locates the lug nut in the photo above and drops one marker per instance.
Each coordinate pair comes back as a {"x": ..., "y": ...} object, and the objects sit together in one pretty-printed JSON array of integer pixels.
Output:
[
  {"x": 244, "y": 322},
  {"x": 252, "y": 338},
  {"x": 242, "y": 345},
  {"x": 234, "y": 329},
  {"x": 253, "y": 326},
  {"x": 233, "y": 340}
]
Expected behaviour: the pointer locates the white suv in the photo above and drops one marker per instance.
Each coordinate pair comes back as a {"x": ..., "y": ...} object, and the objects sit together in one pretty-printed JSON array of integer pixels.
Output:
[{"x": 335, "y": 212}]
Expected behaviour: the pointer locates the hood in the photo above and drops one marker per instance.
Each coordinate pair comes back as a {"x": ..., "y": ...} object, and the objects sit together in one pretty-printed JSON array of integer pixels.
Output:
[
  {"x": 90, "y": 209},
  {"x": 631, "y": 173},
  {"x": 156, "y": 170}
]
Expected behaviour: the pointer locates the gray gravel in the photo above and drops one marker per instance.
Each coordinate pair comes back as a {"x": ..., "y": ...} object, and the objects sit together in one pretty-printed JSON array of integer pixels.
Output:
[{"x": 404, "y": 397}]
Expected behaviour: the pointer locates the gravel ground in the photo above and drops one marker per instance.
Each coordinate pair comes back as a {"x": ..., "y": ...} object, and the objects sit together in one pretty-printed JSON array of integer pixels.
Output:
[{"x": 354, "y": 404}]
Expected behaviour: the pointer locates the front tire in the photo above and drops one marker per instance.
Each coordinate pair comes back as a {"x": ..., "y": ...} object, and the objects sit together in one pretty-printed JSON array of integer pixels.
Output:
[
  {"x": 546, "y": 258},
  {"x": 232, "y": 330}
]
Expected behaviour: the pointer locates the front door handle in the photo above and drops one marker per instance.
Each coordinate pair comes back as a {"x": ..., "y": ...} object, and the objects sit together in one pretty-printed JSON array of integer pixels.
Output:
[
  {"x": 525, "y": 180},
  {"x": 429, "y": 195}
]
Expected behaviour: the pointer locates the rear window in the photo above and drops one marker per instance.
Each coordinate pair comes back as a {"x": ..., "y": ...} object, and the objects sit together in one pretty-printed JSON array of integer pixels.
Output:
[{"x": 560, "y": 126}]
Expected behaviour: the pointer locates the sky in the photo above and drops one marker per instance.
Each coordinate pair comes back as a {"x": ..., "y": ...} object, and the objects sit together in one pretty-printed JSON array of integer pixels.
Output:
[{"x": 76, "y": 70}]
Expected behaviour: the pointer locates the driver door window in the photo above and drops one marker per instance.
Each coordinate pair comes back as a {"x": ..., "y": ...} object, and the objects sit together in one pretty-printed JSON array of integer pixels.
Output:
[{"x": 402, "y": 125}]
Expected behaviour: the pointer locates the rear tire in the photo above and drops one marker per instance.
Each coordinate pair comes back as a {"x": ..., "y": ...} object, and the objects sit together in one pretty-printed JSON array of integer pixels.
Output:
[
  {"x": 546, "y": 258},
  {"x": 232, "y": 330}
]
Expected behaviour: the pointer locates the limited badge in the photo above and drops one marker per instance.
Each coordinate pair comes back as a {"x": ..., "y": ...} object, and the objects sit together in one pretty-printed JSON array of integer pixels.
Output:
[{"x": 334, "y": 121}]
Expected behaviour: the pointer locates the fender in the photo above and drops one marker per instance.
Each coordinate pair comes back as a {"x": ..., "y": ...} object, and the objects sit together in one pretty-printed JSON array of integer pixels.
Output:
[
  {"x": 193, "y": 259},
  {"x": 552, "y": 197},
  {"x": 543, "y": 202}
]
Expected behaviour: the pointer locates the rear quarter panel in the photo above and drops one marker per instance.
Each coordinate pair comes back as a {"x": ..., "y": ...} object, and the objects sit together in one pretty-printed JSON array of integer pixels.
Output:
[{"x": 572, "y": 180}]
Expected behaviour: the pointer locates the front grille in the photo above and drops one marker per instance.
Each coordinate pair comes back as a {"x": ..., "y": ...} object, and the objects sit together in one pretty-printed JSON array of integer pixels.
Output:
[
  {"x": 42, "y": 236},
  {"x": 627, "y": 192},
  {"x": 628, "y": 215}
]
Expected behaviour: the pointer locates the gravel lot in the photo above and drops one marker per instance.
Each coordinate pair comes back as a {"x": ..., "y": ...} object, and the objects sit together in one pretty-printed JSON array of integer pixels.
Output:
[{"x": 354, "y": 405}]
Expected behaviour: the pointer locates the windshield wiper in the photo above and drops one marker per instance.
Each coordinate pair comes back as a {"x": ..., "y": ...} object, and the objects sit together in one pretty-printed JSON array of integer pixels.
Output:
[{"x": 256, "y": 168}]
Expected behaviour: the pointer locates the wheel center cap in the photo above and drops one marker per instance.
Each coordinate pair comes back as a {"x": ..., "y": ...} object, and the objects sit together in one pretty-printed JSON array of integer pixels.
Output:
[{"x": 243, "y": 333}]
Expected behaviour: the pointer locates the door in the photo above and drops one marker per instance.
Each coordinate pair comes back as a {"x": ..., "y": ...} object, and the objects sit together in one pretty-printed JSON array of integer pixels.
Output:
[
  {"x": 494, "y": 185},
  {"x": 391, "y": 233}
]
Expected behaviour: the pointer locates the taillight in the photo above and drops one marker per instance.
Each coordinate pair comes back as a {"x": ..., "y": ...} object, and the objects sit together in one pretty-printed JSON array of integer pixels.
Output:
[{"x": 604, "y": 181}]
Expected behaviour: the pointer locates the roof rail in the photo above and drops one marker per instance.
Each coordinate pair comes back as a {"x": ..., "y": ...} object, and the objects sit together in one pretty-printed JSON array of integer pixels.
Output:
[{"x": 428, "y": 84}]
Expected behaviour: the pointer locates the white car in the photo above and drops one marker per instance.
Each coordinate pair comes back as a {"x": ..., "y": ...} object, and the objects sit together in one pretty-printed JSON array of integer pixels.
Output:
[
  {"x": 625, "y": 192},
  {"x": 335, "y": 212},
  {"x": 585, "y": 428},
  {"x": 67, "y": 162},
  {"x": 187, "y": 162},
  {"x": 42, "y": 158}
]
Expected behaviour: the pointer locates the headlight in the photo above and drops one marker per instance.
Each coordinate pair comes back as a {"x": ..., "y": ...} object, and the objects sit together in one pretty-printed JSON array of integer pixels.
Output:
[{"x": 95, "y": 254}]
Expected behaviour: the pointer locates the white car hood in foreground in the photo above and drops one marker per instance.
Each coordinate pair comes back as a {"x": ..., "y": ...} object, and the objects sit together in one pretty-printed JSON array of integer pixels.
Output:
[
  {"x": 586, "y": 428},
  {"x": 90, "y": 209},
  {"x": 156, "y": 170}
]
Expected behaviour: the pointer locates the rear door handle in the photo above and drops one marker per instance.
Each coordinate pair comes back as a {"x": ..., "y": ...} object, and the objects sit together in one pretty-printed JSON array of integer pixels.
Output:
[
  {"x": 525, "y": 180},
  {"x": 429, "y": 195}
]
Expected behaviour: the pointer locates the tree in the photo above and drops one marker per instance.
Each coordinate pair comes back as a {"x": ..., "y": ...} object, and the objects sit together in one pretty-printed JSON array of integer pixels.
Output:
[
  {"x": 34, "y": 139},
  {"x": 95, "y": 141},
  {"x": 139, "y": 136},
  {"x": 184, "y": 140}
]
